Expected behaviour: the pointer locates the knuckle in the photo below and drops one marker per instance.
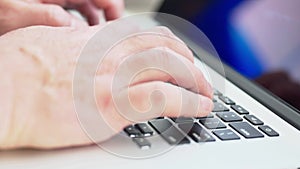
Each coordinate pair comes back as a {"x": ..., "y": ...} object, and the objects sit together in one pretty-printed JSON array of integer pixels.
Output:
[{"x": 163, "y": 29}]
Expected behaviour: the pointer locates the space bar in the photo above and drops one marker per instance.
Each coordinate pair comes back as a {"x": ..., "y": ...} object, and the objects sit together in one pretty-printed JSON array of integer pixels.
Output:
[{"x": 168, "y": 132}]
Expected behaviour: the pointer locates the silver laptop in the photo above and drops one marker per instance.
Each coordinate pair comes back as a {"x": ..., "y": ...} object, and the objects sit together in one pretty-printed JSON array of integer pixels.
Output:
[{"x": 249, "y": 127}]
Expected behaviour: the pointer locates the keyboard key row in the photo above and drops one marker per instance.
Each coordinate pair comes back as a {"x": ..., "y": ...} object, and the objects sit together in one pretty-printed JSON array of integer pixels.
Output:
[
  {"x": 196, "y": 132},
  {"x": 186, "y": 126}
]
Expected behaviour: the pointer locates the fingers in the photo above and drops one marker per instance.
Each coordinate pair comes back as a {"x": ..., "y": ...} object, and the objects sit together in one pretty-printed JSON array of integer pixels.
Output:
[
  {"x": 157, "y": 99},
  {"x": 90, "y": 12},
  {"x": 85, "y": 7},
  {"x": 159, "y": 49},
  {"x": 50, "y": 15},
  {"x": 20, "y": 14},
  {"x": 113, "y": 9},
  {"x": 163, "y": 64}
]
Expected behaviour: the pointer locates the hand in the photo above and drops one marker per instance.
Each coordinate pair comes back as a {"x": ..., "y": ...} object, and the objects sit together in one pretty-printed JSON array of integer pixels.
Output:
[
  {"x": 36, "y": 103},
  {"x": 22, "y": 13}
]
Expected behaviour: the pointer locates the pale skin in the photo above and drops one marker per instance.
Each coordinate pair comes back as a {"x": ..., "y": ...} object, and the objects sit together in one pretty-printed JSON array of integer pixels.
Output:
[
  {"x": 22, "y": 13},
  {"x": 36, "y": 103}
]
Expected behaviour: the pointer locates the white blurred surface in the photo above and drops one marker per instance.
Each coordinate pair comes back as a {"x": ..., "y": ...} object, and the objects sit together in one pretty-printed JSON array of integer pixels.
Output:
[{"x": 137, "y": 6}]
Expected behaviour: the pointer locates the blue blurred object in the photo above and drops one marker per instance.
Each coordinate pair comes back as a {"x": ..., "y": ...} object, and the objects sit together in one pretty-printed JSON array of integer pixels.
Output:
[
  {"x": 213, "y": 20},
  {"x": 259, "y": 39}
]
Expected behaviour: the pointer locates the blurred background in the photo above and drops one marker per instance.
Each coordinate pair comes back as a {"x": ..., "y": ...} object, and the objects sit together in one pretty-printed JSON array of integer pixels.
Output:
[{"x": 259, "y": 38}]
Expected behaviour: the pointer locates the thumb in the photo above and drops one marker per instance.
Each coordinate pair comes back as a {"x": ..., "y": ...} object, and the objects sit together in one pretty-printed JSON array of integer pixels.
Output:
[{"x": 50, "y": 15}]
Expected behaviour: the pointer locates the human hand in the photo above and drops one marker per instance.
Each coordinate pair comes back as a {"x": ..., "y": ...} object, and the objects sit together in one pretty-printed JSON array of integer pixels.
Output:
[
  {"x": 36, "y": 103},
  {"x": 16, "y": 14}
]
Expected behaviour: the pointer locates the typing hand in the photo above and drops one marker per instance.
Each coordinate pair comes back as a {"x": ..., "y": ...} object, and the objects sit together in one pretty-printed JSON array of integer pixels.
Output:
[
  {"x": 16, "y": 14},
  {"x": 37, "y": 105}
]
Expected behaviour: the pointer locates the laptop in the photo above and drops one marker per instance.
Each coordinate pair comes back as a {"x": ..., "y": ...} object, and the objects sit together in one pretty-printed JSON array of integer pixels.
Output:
[{"x": 249, "y": 127}]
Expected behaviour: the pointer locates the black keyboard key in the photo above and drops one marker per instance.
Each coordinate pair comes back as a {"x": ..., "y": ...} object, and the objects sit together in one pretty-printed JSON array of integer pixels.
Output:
[
  {"x": 142, "y": 143},
  {"x": 182, "y": 119},
  {"x": 219, "y": 107},
  {"x": 208, "y": 116},
  {"x": 246, "y": 130},
  {"x": 212, "y": 123},
  {"x": 253, "y": 120},
  {"x": 144, "y": 128},
  {"x": 226, "y": 134},
  {"x": 132, "y": 131},
  {"x": 169, "y": 132},
  {"x": 268, "y": 131},
  {"x": 239, "y": 109},
  {"x": 226, "y": 100},
  {"x": 229, "y": 116},
  {"x": 196, "y": 132}
]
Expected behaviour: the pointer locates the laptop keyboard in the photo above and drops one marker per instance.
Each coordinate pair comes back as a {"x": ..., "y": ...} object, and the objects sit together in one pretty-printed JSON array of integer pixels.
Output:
[{"x": 183, "y": 130}]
